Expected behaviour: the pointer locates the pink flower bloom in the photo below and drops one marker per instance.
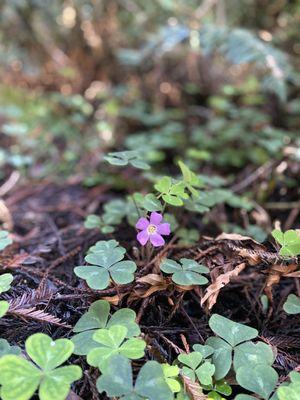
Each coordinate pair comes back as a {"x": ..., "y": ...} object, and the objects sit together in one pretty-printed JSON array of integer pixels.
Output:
[{"x": 152, "y": 230}]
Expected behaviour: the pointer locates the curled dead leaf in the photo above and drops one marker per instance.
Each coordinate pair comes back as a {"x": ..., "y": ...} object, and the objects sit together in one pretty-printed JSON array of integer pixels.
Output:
[
  {"x": 151, "y": 279},
  {"x": 278, "y": 271},
  {"x": 213, "y": 290},
  {"x": 235, "y": 237},
  {"x": 114, "y": 300}
]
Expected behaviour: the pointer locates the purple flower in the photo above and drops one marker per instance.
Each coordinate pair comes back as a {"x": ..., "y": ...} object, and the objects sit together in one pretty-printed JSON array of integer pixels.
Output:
[{"x": 152, "y": 230}]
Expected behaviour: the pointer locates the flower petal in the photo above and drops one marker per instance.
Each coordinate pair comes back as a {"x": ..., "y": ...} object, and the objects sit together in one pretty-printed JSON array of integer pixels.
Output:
[
  {"x": 142, "y": 223},
  {"x": 155, "y": 218},
  {"x": 157, "y": 240},
  {"x": 143, "y": 237},
  {"x": 164, "y": 229}
]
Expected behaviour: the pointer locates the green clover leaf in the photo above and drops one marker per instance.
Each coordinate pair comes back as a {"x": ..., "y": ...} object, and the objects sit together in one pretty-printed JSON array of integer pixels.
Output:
[
  {"x": 97, "y": 317},
  {"x": 172, "y": 192},
  {"x": 106, "y": 264},
  {"x": 292, "y": 390},
  {"x": 151, "y": 203},
  {"x": 6, "y": 348},
  {"x": 222, "y": 356},
  {"x": 188, "y": 272},
  {"x": 117, "y": 381},
  {"x": 95, "y": 222},
  {"x": 4, "y": 306},
  {"x": 195, "y": 366},
  {"x": 171, "y": 372},
  {"x": 292, "y": 304},
  {"x": 234, "y": 339},
  {"x": 188, "y": 237},
  {"x": 5, "y": 240},
  {"x": 113, "y": 341},
  {"x": 122, "y": 158},
  {"x": 252, "y": 354},
  {"x": 289, "y": 241},
  {"x": 20, "y": 378},
  {"x": 231, "y": 335},
  {"x": 212, "y": 197},
  {"x": 232, "y": 332},
  {"x": 190, "y": 179},
  {"x": 205, "y": 350},
  {"x": 5, "y": 281},
  {"x": 262, "y": 379},
  {"x": 191, "y": 361},
  {"x": 205, "y": 373}
]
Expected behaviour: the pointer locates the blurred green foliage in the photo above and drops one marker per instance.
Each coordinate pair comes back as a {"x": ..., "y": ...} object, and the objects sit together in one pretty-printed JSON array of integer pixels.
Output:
[{"x": 210, "y": 83}]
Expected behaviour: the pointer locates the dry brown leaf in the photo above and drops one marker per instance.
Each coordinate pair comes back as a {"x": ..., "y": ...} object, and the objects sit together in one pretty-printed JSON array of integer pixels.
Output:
[
  {"x": 293, "y": 275},
  {"x": 284, "y": 269},
  {"x": 151, "y": 290},
  {"x": 272, "y": 279},
  {"x": 235, "y": 237},
  {"x": 212, "y": 292},
  {"x": 115, "y": 300},
  {"x": 193, "y": 389},
  {"x": 156, "y": 282},
  {"x": 277, "y": 271},
  {"x": 151, "y": 279}
]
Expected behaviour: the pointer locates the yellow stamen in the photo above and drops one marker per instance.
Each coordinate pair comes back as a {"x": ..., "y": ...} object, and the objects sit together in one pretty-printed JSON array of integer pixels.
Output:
[{"x": 151, "y": 229}]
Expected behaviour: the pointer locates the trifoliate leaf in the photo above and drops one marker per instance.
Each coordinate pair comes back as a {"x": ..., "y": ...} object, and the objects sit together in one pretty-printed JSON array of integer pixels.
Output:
[
  {"x": 46, "y": 353},
  {"x": 122, "y": 158},
  {"x": 233, "y": 332},
  {"x": 106, "y": 260},
  {"x": 20, "y": 378},
  {"x": 97, "y": 317},
  {"x": 113, "y": 341},
  {"x": 205, "y": 372},
  {"x": 187, "y": 272},
  {"x": 289, "y": 241}
]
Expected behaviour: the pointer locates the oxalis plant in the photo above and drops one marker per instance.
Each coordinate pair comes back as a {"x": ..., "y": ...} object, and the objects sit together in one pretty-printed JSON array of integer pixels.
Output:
[
  {"x": 112, "y": 342},
  {"x": 107, "y": 263},
  {"x": 289, "y": 243},
  {"x": 98, "y": 317},
  {"x": 232, "y": 352},
  {"x": 20, "y": 378}
]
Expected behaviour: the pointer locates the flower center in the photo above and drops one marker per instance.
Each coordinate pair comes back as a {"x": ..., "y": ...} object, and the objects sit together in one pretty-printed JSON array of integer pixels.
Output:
[{"x": 151, "y": 229}]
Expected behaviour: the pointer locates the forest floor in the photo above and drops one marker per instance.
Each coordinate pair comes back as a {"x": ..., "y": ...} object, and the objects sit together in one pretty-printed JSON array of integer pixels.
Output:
[{"x": 50, "y": 240}]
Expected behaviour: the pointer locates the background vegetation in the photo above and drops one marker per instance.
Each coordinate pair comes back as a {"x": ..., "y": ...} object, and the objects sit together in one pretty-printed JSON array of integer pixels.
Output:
[{"x": 100, "y": 101}]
